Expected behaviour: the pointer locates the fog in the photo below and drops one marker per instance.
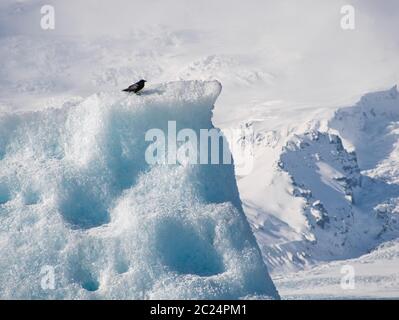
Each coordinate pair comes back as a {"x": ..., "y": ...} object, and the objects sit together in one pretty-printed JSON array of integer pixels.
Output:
[{"x": 315, "y": 60}]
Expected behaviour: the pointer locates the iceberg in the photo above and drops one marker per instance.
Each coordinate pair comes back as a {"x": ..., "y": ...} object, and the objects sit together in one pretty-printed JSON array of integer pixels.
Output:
[{"x": 84, "y": 216}]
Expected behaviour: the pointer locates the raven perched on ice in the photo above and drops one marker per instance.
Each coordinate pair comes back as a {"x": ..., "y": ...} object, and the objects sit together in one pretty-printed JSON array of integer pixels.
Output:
[{"x": 136, "y": 87}]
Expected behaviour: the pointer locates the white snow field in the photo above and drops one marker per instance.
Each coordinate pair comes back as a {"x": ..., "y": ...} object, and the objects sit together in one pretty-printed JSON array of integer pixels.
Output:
[
  {"x": 78, "y": 195},
  {"x": 376, "y": 277},
  {"x": 317, "y": 105}
]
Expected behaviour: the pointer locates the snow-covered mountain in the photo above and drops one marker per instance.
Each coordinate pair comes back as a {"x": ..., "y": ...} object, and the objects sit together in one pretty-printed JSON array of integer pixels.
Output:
[{"x": 332, "y": 179}]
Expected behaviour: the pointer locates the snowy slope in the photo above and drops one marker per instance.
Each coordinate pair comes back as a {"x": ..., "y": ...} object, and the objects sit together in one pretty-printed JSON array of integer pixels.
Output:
[
  {"x": 77, "y": 194},
  {"x": 376, "y": 276}
]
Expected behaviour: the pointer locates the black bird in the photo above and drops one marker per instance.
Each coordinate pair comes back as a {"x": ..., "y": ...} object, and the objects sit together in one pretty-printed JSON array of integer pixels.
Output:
[{"x": 136, "y": 87}]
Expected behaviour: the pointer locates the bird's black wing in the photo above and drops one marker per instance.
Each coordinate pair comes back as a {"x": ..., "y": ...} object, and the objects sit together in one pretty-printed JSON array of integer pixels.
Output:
[{"x": 132, "y": 88}]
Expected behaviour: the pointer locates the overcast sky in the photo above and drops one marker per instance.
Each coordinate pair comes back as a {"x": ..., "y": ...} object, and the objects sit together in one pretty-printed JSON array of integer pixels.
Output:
[
  {"x": 308, "y": 30},
  {"x": 103, "y": 16}
]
